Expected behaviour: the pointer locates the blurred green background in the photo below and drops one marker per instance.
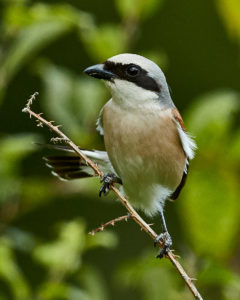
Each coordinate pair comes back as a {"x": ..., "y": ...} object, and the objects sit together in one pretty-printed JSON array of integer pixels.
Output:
[{"x": 45, "y": 250}]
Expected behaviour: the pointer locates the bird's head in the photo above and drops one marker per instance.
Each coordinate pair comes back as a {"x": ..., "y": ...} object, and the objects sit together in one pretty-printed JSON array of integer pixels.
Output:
[{"x": 133, "y": 80}]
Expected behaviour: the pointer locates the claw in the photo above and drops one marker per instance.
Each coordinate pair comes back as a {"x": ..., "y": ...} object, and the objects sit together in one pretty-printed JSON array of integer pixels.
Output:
[
  {"x": 104, "y": 189},
  {"x": 107, "y": 179},
  {"x": 165, "y": 238}
]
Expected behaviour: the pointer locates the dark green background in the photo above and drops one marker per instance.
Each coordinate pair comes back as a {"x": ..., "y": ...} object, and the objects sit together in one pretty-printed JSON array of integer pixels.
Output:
[{"x": 197, "y": 45}]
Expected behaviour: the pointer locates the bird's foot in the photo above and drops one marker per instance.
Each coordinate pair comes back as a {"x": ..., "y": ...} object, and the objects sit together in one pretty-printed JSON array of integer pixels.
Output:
[
  {"x": 107, "y": 180},
  {"x": 166, "y": 239}
]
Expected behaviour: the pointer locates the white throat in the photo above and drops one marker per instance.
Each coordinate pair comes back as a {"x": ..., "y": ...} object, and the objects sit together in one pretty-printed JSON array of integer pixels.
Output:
[{"x": 129, "y": 95}]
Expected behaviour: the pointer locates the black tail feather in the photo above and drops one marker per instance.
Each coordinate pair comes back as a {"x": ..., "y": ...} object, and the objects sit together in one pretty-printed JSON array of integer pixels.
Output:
[{"x": 67, "y": 167}]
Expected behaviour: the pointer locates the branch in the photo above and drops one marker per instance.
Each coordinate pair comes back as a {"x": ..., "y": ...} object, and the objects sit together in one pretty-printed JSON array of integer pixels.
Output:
[
  {"x": 112, "y": 222},
  {"x": 133, "y": 214}
]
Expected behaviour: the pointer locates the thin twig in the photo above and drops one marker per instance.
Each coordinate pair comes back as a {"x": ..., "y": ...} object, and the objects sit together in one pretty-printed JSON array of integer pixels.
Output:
[
  {"x": 134, "y": 215},
  {"x": 112, "y": 222},
  {"x": 55, "y": 128}
]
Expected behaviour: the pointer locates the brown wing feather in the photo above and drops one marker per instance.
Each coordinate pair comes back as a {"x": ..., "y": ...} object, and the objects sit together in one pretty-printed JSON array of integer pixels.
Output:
[{"x": 178, "y": 118}]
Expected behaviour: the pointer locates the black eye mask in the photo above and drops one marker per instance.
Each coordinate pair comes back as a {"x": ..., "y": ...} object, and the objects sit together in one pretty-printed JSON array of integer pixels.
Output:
[{"x": 138, "y": 75}]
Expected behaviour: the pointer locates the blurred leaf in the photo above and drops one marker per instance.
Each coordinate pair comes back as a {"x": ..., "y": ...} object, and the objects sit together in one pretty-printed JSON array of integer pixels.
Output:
[
  {"x": 213, "y": 273},
  {"x": 137, "y": 8},
  {"x": 232, "y": 289},
  {"x": 234, "y": 151},
  {"x": 20, "y": 15},
  {"x": 210, "y": 199},
  {"x": 63, "y": 255},
  {"x": 105, "y": 41},
  {"x": 20, "y": 239},
  {"x": 154, "y": 278},
  {"x": 230, "y": 11},
  {"x": 88, "y": 99},
  {"x": 12, "y": 150},
  {"x": 58, "y": 85},
  {"x": 211, "y": 211},
  {"x": 159, "y": 57},
  {"x": 66, "y": 94},
  {"x": 93, "y": 283},
  {"x": 10, "y": 272},
  {"x": 211, "y": 117},
  {"x": 92, "y": 288},
  {"x": 105, "y": 239},
  {"x": 36, "y": 27},
  {"x": 61, "y": 291},
  {"x": 37, "y": 192},
  {"x": 31, "y": 40}
]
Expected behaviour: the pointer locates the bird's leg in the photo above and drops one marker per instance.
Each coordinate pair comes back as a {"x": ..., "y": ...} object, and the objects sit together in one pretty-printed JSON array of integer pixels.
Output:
[
  {"x": 107, "y": 180},
  {"x": 164, "y": 237}
]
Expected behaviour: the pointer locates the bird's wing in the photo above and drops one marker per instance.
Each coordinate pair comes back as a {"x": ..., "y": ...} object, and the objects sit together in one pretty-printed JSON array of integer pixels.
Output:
[
  {"x": 99, "y": 123},
  {"x": 68, "y": 167},
  {"x": 188, "y": 143},
  {"x": 178, "y": 118},
  {"x": 188, "y": 146}
]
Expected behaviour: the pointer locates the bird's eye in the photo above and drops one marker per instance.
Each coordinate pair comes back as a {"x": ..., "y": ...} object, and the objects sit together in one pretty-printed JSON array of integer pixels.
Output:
[{"x": 132, "y": 71}]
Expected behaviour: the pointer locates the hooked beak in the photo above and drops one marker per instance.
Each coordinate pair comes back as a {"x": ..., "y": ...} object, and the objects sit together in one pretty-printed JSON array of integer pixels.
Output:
[{"x": 97, "y": 71}]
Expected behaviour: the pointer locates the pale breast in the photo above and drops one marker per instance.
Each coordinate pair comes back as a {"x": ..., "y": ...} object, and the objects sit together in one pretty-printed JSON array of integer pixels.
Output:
[{"x": 143, "y": 146}]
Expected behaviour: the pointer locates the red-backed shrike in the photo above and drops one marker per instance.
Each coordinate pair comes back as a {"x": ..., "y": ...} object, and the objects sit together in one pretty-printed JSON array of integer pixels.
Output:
[{"x": 147, "y": 146}]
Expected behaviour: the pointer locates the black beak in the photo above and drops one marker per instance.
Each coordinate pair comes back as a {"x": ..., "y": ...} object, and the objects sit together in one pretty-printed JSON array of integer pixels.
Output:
[{"x": 97, "y": 71}]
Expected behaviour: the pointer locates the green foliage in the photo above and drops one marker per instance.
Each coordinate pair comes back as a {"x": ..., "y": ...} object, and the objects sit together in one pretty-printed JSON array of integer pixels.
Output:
[
  {"x": 111, "y": 36},
  {"x": 36, "y": 27},
  {"x": 45, "y": 250},
  {"x": 145, "y": 274},
  {"x": 211, "y": 201},
  {"x": 229, "y": 11},
  {"x": 10, "y": 272},
  {"x": 67, "y": 93},
  {"x": 73, "y": 241},
  {"x": 12, "y": 150},
  {"x": 138, "y": 8}
]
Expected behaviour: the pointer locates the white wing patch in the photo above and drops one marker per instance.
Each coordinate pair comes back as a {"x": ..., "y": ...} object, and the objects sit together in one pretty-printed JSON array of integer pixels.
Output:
[
  {"x": 187, "y": 142},
  {"x": 99, "y": 124},
  {"x": 101, "y": 159}
]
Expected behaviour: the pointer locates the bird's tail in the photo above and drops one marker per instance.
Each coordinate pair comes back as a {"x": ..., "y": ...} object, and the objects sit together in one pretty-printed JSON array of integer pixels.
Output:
[{"x": 70, "y": 166}]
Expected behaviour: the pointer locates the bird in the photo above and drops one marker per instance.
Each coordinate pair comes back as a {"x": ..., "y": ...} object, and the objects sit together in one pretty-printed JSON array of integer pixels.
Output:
[{"x": 148, "y": 149}]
